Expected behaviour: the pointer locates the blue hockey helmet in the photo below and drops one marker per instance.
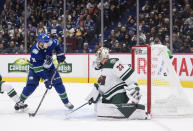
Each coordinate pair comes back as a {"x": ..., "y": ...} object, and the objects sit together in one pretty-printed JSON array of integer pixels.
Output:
[{"x": 44, "y": 38}]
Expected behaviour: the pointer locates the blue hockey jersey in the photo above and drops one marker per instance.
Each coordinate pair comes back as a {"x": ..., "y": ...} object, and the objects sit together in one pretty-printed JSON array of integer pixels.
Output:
[{"x": 38, "y": 56}]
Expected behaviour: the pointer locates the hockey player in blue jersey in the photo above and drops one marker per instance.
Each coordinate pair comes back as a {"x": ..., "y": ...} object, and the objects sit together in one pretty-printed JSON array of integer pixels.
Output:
[{"x": 41, "y": 66}]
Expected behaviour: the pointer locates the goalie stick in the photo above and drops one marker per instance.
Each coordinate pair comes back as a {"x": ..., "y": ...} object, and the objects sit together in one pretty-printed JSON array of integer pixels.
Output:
[
  {"x": 33, "y": 114},
  {"x": 76, "y": 109}
]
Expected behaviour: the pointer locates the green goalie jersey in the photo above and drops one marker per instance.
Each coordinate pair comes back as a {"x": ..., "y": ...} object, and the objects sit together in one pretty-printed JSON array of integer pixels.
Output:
[{"x": 114, "y": 76}]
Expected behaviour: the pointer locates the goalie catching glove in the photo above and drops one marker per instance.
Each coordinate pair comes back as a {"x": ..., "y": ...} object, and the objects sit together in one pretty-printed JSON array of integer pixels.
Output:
[{"x": 133, "y": 93}]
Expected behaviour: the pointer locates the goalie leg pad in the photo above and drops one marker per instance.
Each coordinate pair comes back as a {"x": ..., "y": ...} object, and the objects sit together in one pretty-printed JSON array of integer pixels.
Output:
[{"x": 126, "y": 111}]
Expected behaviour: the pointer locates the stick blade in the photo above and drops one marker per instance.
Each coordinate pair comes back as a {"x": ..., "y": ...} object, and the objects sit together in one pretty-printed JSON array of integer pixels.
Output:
[{"x": 31, "y": 114}]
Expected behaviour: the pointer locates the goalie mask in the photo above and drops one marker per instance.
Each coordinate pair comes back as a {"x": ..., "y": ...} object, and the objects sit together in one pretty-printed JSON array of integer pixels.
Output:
[{"x": 101, "y": 54}]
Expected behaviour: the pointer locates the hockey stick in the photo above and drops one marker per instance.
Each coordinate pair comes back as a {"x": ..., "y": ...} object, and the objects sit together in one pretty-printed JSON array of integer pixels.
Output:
[
  {"x": 33, "y": 114},
  {"x": 77, "y": 108}
]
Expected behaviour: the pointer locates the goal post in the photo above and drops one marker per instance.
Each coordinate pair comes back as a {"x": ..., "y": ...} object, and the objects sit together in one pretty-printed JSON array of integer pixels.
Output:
[
  {"x": 138, "y": 51},
  {"x": 160, "y": 86}
]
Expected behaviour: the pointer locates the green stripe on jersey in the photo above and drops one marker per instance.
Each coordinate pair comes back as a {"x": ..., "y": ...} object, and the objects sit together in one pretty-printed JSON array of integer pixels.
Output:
[
  {"x": 37, "y": 69},
  {"x": 127, "y": 74},
  {"x": 114, "y": 88}
]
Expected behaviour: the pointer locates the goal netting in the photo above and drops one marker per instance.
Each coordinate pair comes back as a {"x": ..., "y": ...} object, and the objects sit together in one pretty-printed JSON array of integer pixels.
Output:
[{"x": 161, "y": 90}]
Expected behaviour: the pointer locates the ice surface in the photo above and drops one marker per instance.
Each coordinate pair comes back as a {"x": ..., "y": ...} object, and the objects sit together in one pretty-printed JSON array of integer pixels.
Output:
[{"x": 51, "y": 116}]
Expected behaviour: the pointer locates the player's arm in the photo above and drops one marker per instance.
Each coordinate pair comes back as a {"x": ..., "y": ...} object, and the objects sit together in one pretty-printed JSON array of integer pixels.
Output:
[
  {"x": 37, "y": 67},
  {"x": 59, "y": 52},
  {"x": 127, "y": 74}
]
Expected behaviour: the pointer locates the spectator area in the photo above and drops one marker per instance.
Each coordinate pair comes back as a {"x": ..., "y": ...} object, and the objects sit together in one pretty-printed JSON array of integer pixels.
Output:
[{"x": 83, "y": 24}]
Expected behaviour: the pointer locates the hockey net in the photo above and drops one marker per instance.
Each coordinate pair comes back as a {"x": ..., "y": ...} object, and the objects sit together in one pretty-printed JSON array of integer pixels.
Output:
[{"x": 160, "y": 86}]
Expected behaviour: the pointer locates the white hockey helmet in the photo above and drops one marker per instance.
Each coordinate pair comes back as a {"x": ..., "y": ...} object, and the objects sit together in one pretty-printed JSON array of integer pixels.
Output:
[{"x": 102, "y": 53}]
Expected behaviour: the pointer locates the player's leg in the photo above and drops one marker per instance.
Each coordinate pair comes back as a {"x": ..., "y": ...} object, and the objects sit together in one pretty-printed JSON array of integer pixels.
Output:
[
  {"x": 32, "y": 83},
  {"x": 6, "y": 87},
  {"x": 60, "y": 89},
  {"x": 119, "y": 98}
]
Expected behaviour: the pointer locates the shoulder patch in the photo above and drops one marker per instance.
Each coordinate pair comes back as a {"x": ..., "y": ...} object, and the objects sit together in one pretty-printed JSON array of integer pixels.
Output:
[
  {"x": 35, "y": 51},
  {"x": 110, "y": 63}
]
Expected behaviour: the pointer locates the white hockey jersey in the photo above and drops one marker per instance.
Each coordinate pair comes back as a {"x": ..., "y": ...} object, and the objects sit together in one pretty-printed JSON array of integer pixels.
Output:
[{"x": 114, "y": 77}]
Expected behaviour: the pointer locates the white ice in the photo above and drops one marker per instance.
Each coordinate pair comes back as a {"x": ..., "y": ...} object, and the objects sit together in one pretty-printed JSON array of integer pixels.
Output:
[{"x": 51, "y": 115}]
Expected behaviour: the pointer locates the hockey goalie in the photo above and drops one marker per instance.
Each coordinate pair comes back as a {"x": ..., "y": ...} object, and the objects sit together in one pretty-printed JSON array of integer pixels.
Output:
[{"x": 117, "y": 93}]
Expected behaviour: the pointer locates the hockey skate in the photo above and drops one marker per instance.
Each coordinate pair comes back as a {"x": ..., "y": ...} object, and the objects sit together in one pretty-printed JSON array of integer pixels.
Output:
[
  {"x": 20, "y": 106},
  {"x": 69, "y": 105}
]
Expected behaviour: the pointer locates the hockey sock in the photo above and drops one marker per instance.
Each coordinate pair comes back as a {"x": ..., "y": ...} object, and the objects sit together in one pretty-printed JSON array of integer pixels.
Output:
[
  {"x": 64, "y": 98},
  {"x": 10, "y": 91},
  {"x": 13, "y": 95},
  {"x": 60, "y": 89},
  {"x": 23, "y": 97}
]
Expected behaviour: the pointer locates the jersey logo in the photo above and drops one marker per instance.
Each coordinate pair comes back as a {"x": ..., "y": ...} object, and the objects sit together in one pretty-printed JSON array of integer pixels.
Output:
[
  {"x": 35, "y": 51},
  {"x": 101, "y": 80},
  {"x": 120, "y": 67}
]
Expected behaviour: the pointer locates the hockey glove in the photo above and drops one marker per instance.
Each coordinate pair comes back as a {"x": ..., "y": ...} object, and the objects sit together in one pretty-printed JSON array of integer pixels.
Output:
[
  {"x": 133, "y": 94},
  {"x": 48, "y": 62},
  {"x": 92, "y": 101},
  {"x": 61, "y": 57},
  {"x": 48, "y": 84},
  {"x": 94, "y": 96}
]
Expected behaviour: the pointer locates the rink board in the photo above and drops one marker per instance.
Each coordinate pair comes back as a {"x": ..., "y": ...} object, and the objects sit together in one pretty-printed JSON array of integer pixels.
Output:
[{"x": 78, "y": 68}]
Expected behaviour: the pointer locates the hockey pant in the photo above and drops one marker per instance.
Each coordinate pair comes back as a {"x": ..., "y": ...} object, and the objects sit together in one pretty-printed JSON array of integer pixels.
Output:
[{"x": 33, "y": 81}]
